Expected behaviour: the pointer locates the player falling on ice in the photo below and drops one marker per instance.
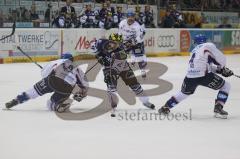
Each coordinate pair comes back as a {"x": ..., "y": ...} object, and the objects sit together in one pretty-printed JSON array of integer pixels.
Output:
[
  {"x": 112, "y": 56},
  {"x": 133, "y": 33},
  {"x": 205, "y": 61},
  {"x": 61, "y": 78}
]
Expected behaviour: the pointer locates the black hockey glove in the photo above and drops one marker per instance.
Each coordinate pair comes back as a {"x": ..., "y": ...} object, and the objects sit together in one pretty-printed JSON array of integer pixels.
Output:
[
  {"x": 110, "y": 76},
  {"x": 226, "y": 72},
  {"x": 103, "y": 61},
  {"x": 127, "y": 45}
]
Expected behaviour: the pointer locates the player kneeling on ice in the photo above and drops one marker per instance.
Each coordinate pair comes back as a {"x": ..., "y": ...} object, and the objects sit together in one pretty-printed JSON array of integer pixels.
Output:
[
  {"x": 112, "y": 56},
  {"x": 205, "y": 61},
  {"x": 61, "y": 78}
]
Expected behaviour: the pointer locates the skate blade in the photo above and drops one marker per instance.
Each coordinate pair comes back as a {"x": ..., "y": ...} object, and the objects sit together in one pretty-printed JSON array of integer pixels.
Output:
[
  {"x": 164, "y": 114},
  {"x": 5, "y": 108},
  {"x": 151, "y": 107},
  {"x": 217, "y": 115}
]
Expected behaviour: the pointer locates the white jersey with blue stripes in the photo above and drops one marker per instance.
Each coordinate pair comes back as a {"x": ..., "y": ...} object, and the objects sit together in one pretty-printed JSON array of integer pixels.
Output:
[{"x": 202, "y": 58}]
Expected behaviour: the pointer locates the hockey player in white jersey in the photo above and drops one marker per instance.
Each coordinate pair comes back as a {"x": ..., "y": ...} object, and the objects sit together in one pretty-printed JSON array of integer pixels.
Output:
[
  {"x": 205, "y": 61},
  {"x": 133, "y": 34},
  {"x": 61, "y": 78}
]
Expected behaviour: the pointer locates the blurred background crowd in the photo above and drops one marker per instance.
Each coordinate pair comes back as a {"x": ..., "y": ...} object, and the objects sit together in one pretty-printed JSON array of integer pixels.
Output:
[{"x": 108, "y": 13}]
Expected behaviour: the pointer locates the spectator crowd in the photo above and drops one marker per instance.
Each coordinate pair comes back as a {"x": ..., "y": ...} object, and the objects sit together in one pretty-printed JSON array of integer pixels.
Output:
[
  {"x": 220, "y": 5},
  {"x": 106, "y": 17}
]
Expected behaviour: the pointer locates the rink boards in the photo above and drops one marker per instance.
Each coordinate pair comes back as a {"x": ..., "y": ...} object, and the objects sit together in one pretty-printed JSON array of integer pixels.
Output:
[{"x": 48, "y": 44}]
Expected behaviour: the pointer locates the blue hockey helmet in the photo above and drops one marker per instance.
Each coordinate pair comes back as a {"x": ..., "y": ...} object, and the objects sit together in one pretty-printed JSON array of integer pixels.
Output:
[
  {"x": 200, "y": 38},
  {"x": 67, "y": 55},
  {"x": 130, "y": 13}
]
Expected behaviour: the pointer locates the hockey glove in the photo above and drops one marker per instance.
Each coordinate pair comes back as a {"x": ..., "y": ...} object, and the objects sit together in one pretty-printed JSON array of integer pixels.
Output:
[
  {"x": 110, "y": 76},
  {"x": 226, "y": 72},
  {"x": 127, "y": 45},
  {"x": 103, "y": 61}
]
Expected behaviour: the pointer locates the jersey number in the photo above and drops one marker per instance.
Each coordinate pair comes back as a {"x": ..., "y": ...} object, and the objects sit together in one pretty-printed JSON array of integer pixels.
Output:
[{"x": 191, "y": 60}]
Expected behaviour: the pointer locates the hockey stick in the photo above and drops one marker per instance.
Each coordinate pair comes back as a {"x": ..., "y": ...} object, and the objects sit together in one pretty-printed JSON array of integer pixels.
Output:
[
  {"x": 13, "y": 31},
  {"x": 91, "y": 68},
  {"x": 236, "y": 76},
  {"x": 24, "y": 53}
]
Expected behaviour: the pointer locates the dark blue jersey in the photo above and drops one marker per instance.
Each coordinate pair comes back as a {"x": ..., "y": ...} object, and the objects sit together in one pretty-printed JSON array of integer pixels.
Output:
[
  {"x": 140, "y": 17},
  {"x": 106, "y": 55},
  {"x": 90, "y": 15},
  {"x": 148, "y": 20}
]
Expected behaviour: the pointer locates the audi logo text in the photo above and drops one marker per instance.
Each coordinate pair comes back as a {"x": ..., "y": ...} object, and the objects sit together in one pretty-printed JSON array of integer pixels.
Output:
[{"x": 166, "y": 41}]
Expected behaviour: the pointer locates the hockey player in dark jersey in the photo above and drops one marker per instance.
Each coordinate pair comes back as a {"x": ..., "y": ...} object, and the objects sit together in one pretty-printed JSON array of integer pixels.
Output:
[{"x": 112, "y": 56}]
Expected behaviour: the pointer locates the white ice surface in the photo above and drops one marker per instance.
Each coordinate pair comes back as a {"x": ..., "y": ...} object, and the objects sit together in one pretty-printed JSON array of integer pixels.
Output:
[{"x": 29, "y": 131}]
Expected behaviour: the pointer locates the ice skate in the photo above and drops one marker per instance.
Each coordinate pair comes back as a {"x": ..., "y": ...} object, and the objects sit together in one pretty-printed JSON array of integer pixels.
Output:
[
  {"x": 149, "y": 105},
  {"x": 64, "y": 106},
  {"x": 113, "y": 111},
  {"x": 219, "y": 112},
  {"x": 165, "y": 110},
  {"x": 113, "y": 114},
  {"x": 11, "y": 103}
]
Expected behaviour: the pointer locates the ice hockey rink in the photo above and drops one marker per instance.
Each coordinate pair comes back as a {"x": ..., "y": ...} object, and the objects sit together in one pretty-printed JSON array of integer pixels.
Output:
[{"x": 30, "y": 131}]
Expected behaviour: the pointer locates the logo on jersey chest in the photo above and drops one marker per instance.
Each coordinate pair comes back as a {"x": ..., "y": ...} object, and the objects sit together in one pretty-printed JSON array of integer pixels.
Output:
[{"x": 129, "y": 30}]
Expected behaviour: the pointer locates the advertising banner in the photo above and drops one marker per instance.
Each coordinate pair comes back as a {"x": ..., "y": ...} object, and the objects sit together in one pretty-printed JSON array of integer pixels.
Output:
[
  {"x": 191, "y": 17},
  {"x": 226, "y": 40},
  {"x": 34, "y": 41},
  {"x": 231, "y": 40},
  {"x": 46, "y": 43},
  {"x": 164, "y": 40},
  {"x": 217, "y": 17},
  {"x": 155, "y": 40},
  {"x": 79, "y": 41}
]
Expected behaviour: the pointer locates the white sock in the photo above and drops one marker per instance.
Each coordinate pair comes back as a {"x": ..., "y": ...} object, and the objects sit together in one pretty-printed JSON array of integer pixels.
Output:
[
  {"x": 144, "y": 99},
  {"x": 32, "y": 93},
  {"x": 180, "y": 96}
]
